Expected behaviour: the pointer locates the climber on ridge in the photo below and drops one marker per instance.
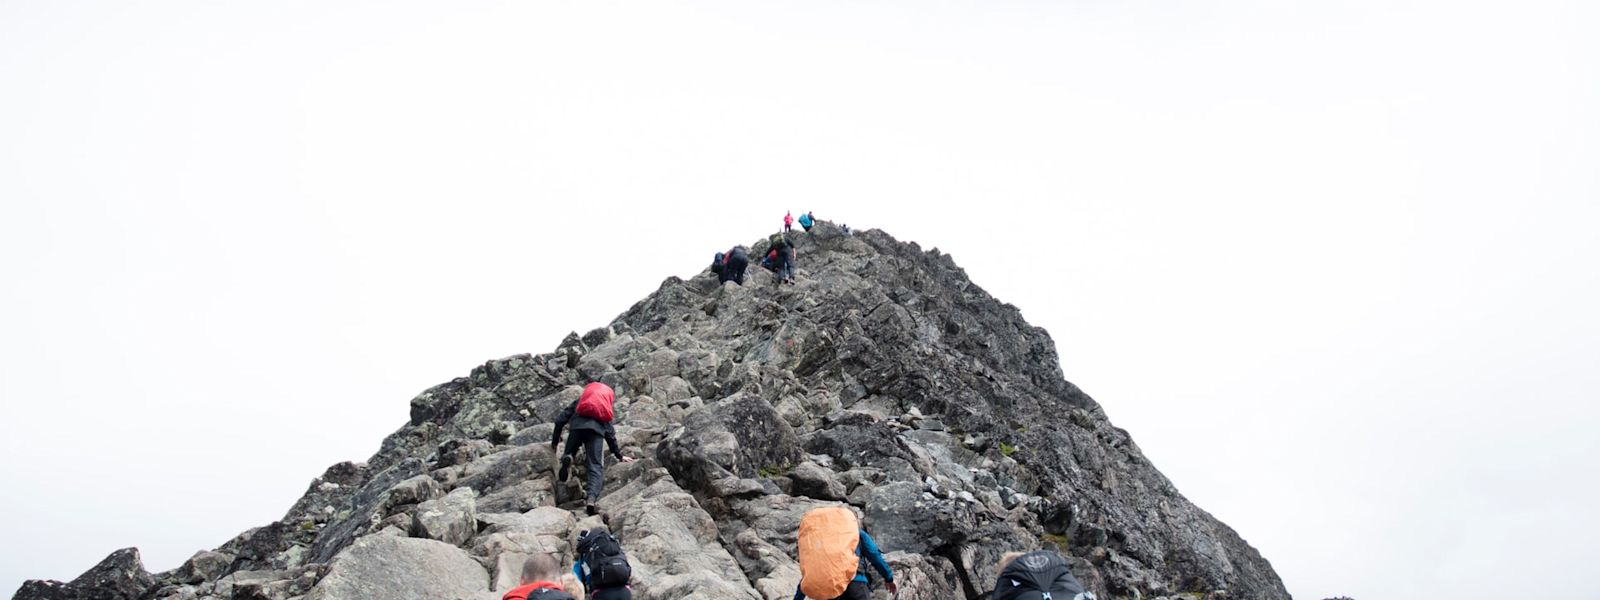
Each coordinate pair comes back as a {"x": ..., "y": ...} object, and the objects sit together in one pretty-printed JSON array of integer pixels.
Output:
[
  {"x": 591, "y": 419},
  {"x": 733, "y": 265},
  {"x": 602, "y": 566},
  {"x": 834, "y": 554},
  {"x": 782, "y": 255},
  {"x": 788, "y": 221},
  {"x": 1036, "y": 576},
  {"x": 806, "y": 221},
  {"x": 539, "y": 577}
]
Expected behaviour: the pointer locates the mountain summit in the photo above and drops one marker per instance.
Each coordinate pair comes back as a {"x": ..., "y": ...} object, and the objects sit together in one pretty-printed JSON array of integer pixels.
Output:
[{"x": 884, "y": 379}]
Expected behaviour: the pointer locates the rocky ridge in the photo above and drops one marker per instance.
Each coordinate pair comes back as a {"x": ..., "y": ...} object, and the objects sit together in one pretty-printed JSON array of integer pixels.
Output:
[{"x": 884, "y": 379}]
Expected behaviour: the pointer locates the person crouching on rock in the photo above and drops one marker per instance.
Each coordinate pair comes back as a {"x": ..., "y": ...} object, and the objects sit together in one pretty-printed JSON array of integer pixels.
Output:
[
  {"x": 734, "y": 262},
  {"x": 539, "y": 577},
  {"x": 590, "y": 418},
  {"x": 603, "y": 566}
]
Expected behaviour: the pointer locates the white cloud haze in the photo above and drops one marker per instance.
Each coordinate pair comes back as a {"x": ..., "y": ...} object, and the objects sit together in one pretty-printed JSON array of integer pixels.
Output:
[{"x": 1331, "y": 264}]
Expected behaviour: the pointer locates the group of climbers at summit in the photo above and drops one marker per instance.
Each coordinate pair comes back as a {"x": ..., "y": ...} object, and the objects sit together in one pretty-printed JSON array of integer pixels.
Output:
[{"x": 779, "y": 259}]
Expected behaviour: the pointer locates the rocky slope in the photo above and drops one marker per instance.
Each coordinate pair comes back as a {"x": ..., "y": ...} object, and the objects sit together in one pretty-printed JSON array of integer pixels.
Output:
[{"x": 884, "y": 379}]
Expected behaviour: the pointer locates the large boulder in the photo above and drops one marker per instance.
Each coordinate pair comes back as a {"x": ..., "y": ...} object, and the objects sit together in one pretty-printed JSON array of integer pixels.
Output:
[
  {"x": 927, "y": 577},
  {"x": 120, "y": 576},
  {"x": 739, "y": 437},
  {"x": 452, "y": 519},
  {"x": 812, "y": 480},
  {"x": 672, "y": 544},
  {"x": 402, "y": 569}
]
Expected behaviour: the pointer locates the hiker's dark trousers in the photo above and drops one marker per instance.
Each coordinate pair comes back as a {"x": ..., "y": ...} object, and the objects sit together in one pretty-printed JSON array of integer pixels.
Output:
[
  {"x": 857, "y": 590},
  {"x": 594, "y": 448}
]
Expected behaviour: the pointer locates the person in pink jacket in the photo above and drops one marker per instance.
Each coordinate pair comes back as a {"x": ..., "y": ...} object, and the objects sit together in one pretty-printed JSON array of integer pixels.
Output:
[{"x": 788, "y": 221}]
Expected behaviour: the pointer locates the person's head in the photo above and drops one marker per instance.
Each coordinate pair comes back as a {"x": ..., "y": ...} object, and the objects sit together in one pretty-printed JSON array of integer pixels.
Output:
[
  {"x": 1005, "y": 560},
  {"x": 540, "y": 567}
]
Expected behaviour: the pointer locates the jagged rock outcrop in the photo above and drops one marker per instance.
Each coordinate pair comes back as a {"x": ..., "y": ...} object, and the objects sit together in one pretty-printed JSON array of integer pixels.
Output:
[{"x": 884, "y": 379}]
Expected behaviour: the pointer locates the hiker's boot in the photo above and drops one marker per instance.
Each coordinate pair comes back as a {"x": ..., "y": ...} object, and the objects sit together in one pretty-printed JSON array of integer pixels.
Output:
[
  {"x": 566, "y": 467},
  {"x": 590, "y": 508}
]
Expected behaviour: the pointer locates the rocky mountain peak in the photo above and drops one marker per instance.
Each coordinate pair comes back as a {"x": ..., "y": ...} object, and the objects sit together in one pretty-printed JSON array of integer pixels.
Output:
[{"x": 884, "y": 379}]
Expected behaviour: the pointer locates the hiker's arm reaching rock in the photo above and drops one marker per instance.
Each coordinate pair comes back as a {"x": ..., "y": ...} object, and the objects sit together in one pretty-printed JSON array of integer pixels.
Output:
[
  {"x": 561, "y": 423},
  {"x": 611, "y": 440},
  {"x": 870, "y": 548}
]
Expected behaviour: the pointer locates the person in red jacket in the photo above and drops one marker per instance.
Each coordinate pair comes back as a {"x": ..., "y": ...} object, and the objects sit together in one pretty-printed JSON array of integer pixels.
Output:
[
  {"x": 590, "y": 418},
  {"x": 539, "y": 577},
  {"x": 788, "y": 221}
]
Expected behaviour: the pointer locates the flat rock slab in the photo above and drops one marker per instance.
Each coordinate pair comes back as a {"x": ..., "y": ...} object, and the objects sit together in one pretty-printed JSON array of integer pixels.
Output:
[{"x": 402, "y": 569}]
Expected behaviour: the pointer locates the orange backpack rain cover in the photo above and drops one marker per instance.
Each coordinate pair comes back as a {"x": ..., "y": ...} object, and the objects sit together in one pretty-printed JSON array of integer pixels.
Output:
[{"x": 828, "y": 538}]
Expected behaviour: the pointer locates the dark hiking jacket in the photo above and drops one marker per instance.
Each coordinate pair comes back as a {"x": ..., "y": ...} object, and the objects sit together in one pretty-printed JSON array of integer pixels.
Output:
[{"x": 577, "y": 422}]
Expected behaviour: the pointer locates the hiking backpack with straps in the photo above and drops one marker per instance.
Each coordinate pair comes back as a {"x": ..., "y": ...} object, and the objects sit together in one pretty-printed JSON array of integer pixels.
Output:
[
  {"x": 604, "y": 563},
  {"x": 1041, "y": 575},
  {"x": 596, "y": 402},
  {"x": 829, "y": 553}
]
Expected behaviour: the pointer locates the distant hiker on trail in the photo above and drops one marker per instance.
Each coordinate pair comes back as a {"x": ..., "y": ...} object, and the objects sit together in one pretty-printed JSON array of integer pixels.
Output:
[
  {"x": 591, "y": 418},
  {"x": 834, "y": 554},
  {"x": 770, "y": 261},
  {"x": 846, "y": 228},
  {"x": 539, "y": 577},
  {"x": 806, "y": 221},
  {"x": 734, "y": 262},
  {"x": 1036, "y": 576},
  {"x": 788, "y": 222},
  {"x": 716, "y": 265},
  {"x": 782, "y": 255},
  {"x": 602, "y": 565}
]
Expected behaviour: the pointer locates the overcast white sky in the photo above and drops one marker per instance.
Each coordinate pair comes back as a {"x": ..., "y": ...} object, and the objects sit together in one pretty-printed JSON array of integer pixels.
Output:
[{"x": 1332, "y": 264}]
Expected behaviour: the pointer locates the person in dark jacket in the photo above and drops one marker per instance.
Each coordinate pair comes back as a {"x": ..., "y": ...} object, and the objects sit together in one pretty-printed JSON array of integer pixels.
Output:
[
  {"x": 587, "y": 433},
  {"x": 860, "y": 587},
  {"x": 783, "y": 262},
  {"x": 716, "y": 265},
  {"x": 539, "y": 577},
  {"x": 1036, "y": 576},
  {"x": 734, "y": 262}
]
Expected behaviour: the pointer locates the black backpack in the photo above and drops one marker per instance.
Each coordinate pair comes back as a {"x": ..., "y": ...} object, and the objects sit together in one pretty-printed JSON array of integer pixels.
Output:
[
  {"x": 603, "y": 561},
  {"x": 1041, "y": 575},
  {"x": 549, "y": 594}
]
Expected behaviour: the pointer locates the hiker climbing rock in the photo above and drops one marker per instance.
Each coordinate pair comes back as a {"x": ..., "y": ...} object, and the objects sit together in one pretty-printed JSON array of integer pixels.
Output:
[
  {"x": 788, "y": 222},
  {"x": 539, "y": 581},
  {"x": 1036, "y": 576},
  {"x": 834, "y": 554},
  {"x": 590, "y": 418},
  {"x": 602, "y": 566},
  {"x": 716, "y": 265},
  {"x": 782, "y": 255},
  {"x": 734, "y": 262},
  {"x": 806, "y": 221}
]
